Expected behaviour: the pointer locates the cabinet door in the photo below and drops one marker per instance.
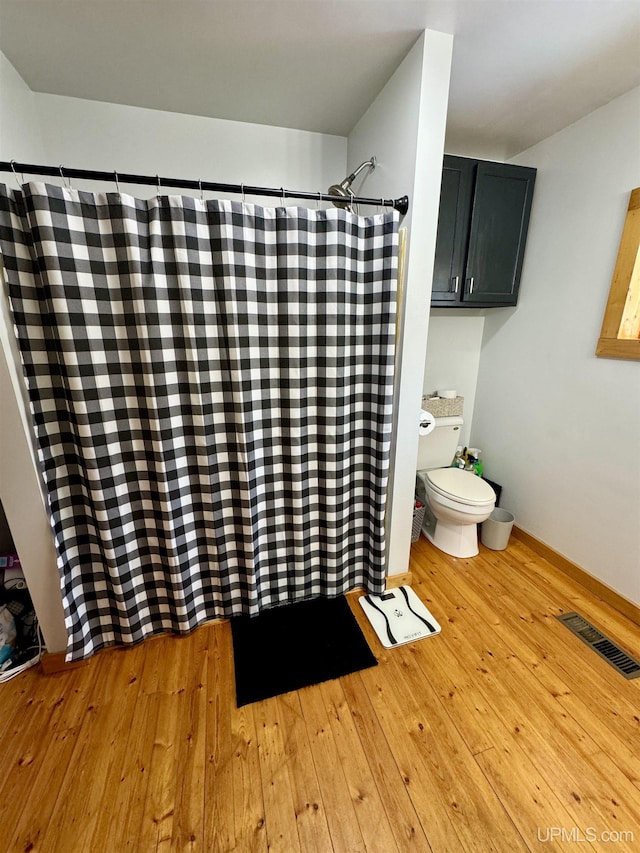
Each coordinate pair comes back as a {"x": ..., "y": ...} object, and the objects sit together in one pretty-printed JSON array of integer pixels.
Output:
[
  {"x": 453, "y": 230},
  {"x": 499, "y": 222}
]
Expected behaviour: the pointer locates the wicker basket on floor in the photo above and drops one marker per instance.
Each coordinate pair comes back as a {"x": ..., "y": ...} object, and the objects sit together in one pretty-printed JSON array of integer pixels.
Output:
[{"x": 418, "y": 516}]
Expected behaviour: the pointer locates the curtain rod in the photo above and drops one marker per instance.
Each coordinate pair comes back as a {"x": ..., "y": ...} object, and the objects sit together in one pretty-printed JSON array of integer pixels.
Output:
[{"x": 399, "y": 204}]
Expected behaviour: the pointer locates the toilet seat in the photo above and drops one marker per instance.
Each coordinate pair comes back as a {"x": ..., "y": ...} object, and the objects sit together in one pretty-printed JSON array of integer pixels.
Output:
[{"x": 463, "y": 486}]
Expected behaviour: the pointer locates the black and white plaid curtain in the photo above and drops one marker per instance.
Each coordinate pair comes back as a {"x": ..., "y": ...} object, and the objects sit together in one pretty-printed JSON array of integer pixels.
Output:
[{"x": 211, "y": 390}]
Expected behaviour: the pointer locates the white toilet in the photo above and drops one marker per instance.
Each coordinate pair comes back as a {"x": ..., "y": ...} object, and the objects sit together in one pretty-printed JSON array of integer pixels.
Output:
[{"x": 455, "y": 500}]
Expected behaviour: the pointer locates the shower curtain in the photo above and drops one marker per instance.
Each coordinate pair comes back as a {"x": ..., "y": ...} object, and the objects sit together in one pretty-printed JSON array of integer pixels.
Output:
[{"x": 211, "y": 390}]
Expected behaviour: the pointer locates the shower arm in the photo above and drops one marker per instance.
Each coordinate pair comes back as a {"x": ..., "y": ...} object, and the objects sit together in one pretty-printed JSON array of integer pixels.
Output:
[
  {"x": 343, "y": 189},
  {"x": 370, "y": 163}
]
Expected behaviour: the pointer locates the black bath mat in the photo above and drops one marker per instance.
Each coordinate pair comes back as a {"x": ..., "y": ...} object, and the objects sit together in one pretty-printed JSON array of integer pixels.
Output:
[{"x": 289, "y": 647}]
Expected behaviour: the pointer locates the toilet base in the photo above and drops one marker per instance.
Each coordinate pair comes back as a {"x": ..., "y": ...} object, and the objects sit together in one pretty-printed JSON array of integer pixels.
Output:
[{"x": 457, "y": 540}]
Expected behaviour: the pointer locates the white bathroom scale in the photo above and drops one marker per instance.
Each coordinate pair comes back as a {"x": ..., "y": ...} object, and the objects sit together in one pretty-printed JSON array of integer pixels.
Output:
[{"x": 398, "y": 616}]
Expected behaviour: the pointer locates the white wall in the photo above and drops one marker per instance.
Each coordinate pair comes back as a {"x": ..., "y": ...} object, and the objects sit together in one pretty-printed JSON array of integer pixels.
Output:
[
  {"x": 96, "y": 135},
  {"x": 19, "y": 127},
  {"x": 404, "y": 128},
  {"x": 560, "y": 428},
  {"x": 20, "y": 483},
  {"x": 453, "y": 358},
  {"x": 486, "y": 149}
]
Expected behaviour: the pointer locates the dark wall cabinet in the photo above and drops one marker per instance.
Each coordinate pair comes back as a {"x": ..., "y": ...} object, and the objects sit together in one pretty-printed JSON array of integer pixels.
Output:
[{"x": 482, "y": 231}]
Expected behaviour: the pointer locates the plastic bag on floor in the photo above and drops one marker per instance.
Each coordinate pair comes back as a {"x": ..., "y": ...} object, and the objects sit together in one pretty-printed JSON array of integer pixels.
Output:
[{"x": 7, "y": 636}]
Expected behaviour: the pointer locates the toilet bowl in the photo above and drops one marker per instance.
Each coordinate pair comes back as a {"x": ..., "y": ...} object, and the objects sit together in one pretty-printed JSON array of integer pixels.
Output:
[{"x": 456, "y": 501}]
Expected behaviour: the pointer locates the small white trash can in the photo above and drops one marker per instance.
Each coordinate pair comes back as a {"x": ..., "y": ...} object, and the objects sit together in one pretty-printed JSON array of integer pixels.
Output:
[{"x": 496, "y": 530}]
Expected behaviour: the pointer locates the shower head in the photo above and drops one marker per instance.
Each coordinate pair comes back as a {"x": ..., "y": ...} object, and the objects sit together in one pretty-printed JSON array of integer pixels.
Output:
[{"x": 344, "y": 187}]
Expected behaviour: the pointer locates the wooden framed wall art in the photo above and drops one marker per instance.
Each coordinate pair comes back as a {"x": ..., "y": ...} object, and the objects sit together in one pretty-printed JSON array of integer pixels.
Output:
[{"x": 620, "y": 334}]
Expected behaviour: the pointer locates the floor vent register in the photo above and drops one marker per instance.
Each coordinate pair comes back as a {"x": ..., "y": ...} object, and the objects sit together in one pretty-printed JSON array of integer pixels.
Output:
[{"x": 606, "y": 648}]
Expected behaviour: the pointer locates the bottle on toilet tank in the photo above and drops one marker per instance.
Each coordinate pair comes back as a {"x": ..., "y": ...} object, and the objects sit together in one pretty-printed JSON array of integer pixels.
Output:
[
  {"x": 474, "y": 463},
  {"x": 458, "y": 461}
]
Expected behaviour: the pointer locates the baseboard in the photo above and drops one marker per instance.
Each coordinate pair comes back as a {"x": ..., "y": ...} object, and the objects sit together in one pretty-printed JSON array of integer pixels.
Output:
[
  {"x": 576, "y": 573},
  {"x": 54, "y": 662},
  {"x": 394, "y": 581}
]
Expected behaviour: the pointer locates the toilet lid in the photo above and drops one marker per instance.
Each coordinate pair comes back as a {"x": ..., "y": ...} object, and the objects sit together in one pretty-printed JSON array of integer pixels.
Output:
[{"x": 461, "y": 485}]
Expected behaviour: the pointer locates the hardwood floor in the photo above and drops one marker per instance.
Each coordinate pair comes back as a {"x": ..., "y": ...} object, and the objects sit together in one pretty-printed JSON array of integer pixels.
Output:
[{"x": 502, "y": 733}]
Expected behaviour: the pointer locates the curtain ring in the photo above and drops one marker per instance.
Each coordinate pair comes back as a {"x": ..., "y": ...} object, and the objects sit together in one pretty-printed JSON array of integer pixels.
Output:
[
  {"x": 242, "y": 191},
  {"x": 353, "y": 206},
  {"x": 282, "y": 191},
  {"x": 201, "y": 190},
  {"x": 159, "y": 187},
  {"x": 318, "y": 200},
  {"x": 65, "y": 181},
  {"x": 115, "y": 178},
  {"x": 381, "y": 205},
  {"x": 15, "y": 174}
]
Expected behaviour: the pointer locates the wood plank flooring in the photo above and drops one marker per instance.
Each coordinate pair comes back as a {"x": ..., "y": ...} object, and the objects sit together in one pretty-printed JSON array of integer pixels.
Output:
[{"x": 503, "y": 733}]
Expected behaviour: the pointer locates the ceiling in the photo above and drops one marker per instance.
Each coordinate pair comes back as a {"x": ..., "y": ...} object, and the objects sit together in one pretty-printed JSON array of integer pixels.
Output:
[{"x": 522, "y": 69}]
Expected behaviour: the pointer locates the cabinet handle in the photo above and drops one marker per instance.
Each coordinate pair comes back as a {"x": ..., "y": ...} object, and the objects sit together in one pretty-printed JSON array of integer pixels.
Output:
[
  {"x": 471, "y": 284},
  {"x": 456, "y": 282}
]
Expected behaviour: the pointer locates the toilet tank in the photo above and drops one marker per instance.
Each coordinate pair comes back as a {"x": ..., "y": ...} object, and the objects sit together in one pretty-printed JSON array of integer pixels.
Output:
[{"x": 437, "y": 449}]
